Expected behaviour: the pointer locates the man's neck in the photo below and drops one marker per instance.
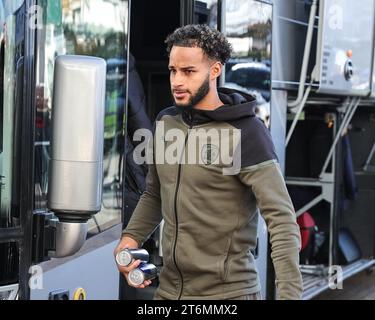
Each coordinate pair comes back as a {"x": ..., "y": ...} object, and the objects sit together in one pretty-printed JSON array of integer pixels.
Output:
[{"x": 210, "y": 102}]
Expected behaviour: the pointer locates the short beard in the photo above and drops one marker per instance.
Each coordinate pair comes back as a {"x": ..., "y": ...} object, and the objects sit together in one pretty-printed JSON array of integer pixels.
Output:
[{"x": 198, "y": 97}]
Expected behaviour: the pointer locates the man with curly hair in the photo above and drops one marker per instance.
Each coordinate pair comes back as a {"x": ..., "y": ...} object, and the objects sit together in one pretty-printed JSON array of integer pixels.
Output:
[{"x": 211, "y": 218}]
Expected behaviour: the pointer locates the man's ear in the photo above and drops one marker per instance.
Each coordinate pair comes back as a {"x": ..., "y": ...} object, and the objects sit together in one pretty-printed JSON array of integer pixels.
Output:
[{"x": 216, "y": 69}]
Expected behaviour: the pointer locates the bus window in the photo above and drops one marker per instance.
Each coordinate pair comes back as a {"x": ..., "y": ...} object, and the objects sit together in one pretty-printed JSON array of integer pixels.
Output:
[
  {"x": 94, "y": 28},
  {"x": 206, "y": 12},
  {"x": 2, "y": 56},
  {"x": 9, "y": 215},
  {"x": 8, "y": 75},
  {"x": 248, "y": 28}
]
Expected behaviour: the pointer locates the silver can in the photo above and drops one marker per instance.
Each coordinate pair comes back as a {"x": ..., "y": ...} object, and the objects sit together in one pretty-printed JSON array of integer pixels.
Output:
[
  {"x": 144, "y": 272},
  {"x": 127, "y": 256}
]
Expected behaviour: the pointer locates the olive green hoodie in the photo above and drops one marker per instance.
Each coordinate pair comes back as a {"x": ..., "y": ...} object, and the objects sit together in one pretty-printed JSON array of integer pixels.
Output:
[{"x": 211, "y": 217}]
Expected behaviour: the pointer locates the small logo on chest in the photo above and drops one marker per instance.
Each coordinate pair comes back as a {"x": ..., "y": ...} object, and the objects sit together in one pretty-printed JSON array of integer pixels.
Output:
[{"x": 209, "y": 153}]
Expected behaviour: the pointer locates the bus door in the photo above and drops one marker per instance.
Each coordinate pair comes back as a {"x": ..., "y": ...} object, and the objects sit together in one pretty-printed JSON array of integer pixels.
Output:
[
  {"x": 151, "y": 23},
  {"x": 149, "y": 93},
  {"x": 16, "y": 127}
]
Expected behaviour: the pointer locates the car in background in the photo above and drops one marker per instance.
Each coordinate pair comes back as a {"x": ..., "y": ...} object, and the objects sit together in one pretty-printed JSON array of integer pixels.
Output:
[{"x": 252, "y": 75}]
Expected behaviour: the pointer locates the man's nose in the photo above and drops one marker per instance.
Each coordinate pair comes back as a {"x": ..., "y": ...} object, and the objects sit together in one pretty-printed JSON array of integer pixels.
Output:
[{"x": 177, "y": 80}]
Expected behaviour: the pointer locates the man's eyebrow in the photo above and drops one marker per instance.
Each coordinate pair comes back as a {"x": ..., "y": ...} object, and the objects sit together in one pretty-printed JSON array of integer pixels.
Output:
[{"x": 182, "y": 68}]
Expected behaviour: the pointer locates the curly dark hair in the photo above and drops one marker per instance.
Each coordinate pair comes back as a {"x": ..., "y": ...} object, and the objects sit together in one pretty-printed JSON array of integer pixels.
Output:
[{"x": 213, "y": 43}]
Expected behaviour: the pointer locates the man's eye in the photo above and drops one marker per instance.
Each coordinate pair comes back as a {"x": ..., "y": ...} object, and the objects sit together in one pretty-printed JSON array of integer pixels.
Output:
[{"x": 189, "y": 71}]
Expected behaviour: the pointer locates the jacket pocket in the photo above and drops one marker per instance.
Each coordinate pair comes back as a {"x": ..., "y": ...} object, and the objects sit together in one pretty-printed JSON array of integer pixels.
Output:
[{"x": 224, "y": 265}]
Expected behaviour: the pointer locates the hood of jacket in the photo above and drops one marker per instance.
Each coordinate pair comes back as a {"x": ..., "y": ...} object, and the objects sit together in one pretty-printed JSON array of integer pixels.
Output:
[{"x": 236, "y": 105}]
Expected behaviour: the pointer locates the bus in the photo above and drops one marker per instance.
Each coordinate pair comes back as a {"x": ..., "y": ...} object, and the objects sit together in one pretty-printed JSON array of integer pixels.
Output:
[{"x": 308, "y": 63}]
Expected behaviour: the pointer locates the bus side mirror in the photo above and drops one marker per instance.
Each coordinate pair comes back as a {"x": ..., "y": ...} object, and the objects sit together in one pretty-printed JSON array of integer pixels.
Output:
[{"x": 76, "y": 163}]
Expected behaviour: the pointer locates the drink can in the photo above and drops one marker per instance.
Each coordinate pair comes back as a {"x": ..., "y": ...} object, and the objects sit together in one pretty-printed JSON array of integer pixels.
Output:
[
  {"x": 127, "y": 256},
  {"x": 144, "y": 272}
]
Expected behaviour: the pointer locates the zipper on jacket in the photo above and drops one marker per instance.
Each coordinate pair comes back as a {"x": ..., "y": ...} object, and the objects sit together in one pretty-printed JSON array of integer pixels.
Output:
[{"x": 175, "y": 208}]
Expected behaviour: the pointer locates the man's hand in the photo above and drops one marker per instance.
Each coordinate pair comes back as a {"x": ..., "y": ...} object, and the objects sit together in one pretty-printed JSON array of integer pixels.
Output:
[{"x": 129, "y": 243}]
